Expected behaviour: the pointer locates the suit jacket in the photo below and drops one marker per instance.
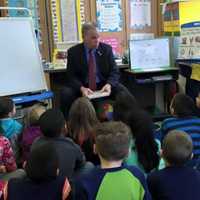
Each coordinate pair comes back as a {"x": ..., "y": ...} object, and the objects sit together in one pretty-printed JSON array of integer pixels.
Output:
[{"x": 77, "y": 66}]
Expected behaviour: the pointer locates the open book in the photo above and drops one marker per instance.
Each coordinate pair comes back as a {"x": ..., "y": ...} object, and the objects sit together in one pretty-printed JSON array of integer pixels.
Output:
[{"x": 98, "y": 94}]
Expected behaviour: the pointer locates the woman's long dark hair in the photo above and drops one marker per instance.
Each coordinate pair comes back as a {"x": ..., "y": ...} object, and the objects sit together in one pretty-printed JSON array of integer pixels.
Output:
[
  {"x": 127, "y": 110},
  {"x": 142, "y": 128},
  {"x": 124, "y": 102}
]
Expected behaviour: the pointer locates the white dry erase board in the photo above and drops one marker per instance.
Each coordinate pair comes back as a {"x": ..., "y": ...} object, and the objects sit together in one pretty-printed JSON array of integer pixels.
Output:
[
  {"x": 20, "y": 62},
  {"x": 149, "y": 55}
]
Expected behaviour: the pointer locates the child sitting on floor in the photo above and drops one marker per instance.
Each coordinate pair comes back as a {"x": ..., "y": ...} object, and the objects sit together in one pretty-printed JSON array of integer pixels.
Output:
[
  {"x": 8, "y": 167},
  {"x": 9, "y": 127},
  {"x": 81, "y": 122},
  {"x": 112, "y": 180},
  {"x": 42, "y": 181},
  {"x": 32, "y": 131},
  {"x": 176, "y": 181},
  {"x": 53, "y": 126},
  {"x": 184, "y": 118}
]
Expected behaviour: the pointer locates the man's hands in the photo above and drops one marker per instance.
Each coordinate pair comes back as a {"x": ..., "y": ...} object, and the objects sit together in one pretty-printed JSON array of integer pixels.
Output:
[
  {"x": 106, "y": 88},
  {"x": 87, "y": 91}
]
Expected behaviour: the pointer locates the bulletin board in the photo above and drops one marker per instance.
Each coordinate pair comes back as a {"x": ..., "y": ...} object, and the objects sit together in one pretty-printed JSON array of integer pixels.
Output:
[
  {"x": 116, "y": 36},
  {"x": 190, "y": 31},
  {"x": 142, "y": 17},
  {"x": 86, "y": 10},
  {"x": 109, "y": 18},
  {"x": 121, "y": 37},
  {"x": 66, "y": 19}
]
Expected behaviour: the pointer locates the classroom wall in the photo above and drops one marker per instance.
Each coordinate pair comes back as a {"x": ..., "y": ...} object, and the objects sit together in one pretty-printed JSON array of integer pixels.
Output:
[{"x": 124, "y": 35}]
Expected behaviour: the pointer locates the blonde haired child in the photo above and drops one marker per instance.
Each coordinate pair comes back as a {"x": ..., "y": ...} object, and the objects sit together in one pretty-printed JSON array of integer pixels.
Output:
[{"x": 32, "y": 131}]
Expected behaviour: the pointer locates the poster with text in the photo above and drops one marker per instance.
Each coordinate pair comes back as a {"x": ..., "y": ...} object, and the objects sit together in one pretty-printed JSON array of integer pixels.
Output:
[
  {"x": 190, "y": 41},
  {"x": 69, "y": 20},
  {"x": 114, "y": 43},
  {"x": 140, "y": 14},
  {"x": 109, "y": 15},
  {"x": 171, "y": 19}
]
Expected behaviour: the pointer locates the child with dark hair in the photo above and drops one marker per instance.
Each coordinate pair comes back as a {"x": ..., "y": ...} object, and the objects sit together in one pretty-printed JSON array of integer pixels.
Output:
[
  {"x": 42, "y": 181},
  {"x": 32, "y": 131},
  {"x": 176, "y": 181},
  {"x": 184, "y": 118},
  {"x": 145, "y": 150},
  {"x": 53, "y": 126},
  {"x": 112, "y": 180},
  {"x": 9, "y": 127},
  {"x": 81, "y": 121},
  {"x": 182, "y": 105}
]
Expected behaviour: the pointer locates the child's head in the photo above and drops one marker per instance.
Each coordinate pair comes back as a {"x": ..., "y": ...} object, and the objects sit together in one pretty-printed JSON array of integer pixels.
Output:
[
  {"x": 52, "y": 123},
  {"x": 35, "y": 114},
  {"x": 7, "y": 107},
  {"x": 82, "y": 119},
  {"x": 112, "y": 140},
  {"x": 182, "y": 106},
  {"x": 42, "y": 164},
  {"x": 177, "y": 148}
]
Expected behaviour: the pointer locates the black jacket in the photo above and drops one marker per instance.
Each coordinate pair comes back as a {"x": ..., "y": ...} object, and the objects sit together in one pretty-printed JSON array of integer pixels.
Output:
[{"x": 77, "y": 66}]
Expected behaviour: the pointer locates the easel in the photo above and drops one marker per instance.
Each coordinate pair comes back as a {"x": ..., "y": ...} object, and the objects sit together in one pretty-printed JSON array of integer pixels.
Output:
[{"x": 25, "y": 96}]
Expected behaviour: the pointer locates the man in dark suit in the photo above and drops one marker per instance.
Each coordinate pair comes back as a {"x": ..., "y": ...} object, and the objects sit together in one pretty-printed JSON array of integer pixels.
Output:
[{"x": 90, "y": 67}]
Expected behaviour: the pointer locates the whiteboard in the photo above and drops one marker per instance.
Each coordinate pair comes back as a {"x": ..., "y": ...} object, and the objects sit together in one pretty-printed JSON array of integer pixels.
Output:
[
  {"x": 20, "y": 62},
  {"x": 150, "y": 54}
]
